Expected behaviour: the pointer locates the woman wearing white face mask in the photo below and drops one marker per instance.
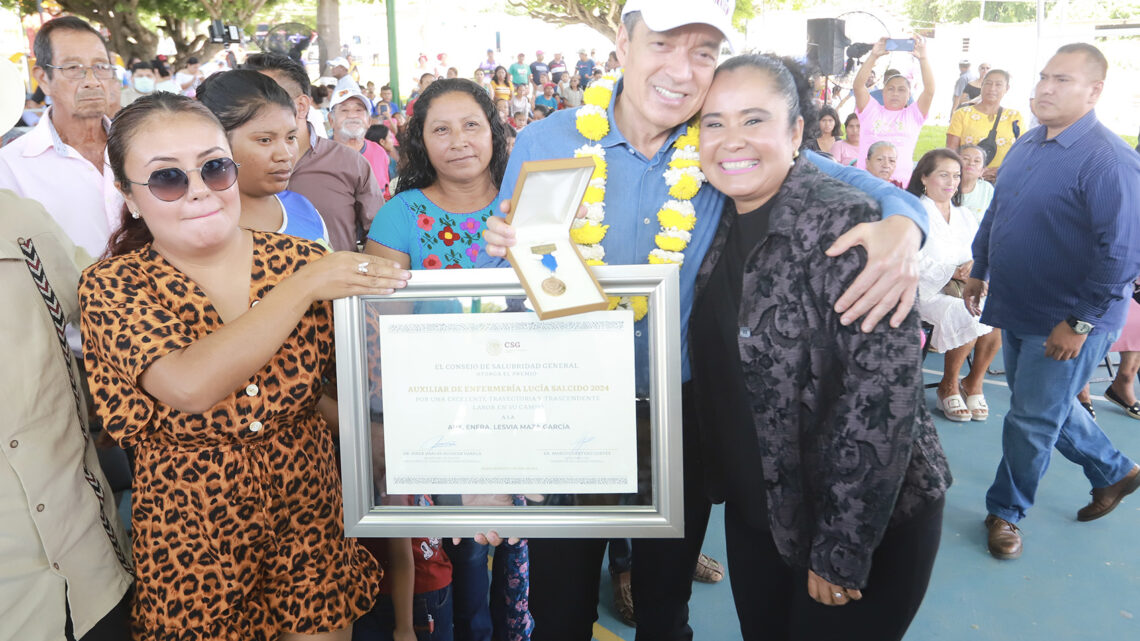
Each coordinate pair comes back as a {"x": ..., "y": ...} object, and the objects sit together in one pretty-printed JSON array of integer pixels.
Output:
[{"x": 143, "y": 80}]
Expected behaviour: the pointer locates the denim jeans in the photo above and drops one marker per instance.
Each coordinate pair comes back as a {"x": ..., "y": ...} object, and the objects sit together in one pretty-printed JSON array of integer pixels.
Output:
[
  {"x": 431, "y": 618},
  {"x": 621, "y": 556},
  {"x": 472, "y": 584},
  {"x": 1043, "y": 414}
]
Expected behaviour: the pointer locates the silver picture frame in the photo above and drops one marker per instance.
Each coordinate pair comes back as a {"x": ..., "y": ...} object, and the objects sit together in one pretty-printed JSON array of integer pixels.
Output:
[{"x": 661, "y": 515}]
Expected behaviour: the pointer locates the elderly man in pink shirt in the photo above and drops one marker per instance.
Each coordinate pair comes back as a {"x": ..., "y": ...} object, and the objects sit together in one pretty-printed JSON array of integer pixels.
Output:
[
  {"x": 350, "y": 112},
  {"x": 62, "y": 161}
]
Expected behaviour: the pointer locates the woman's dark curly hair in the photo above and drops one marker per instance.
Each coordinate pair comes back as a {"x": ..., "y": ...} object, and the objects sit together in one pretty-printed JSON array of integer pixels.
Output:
[
  {"x": 926, "y": 165},
  {"x": 791, "y": 81},
  {"x": 416, "y": 170}
]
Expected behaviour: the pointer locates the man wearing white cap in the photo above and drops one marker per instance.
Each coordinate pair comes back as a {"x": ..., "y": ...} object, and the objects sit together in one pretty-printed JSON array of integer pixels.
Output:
[
  {"x": 338, "y": 68},
  {"x": 350, "y": 112},
  {"x": 669, "y": 51}
]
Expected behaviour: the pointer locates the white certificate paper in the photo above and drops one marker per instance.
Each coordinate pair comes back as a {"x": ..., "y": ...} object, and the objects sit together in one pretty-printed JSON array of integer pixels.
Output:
[{"x": 509, "y": 404}]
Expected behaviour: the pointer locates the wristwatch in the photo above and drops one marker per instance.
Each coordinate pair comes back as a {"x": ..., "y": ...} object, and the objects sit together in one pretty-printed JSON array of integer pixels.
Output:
[{"x": 1079, "y": 326}]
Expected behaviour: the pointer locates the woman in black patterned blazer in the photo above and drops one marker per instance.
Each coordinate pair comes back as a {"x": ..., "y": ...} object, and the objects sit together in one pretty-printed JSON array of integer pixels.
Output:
[{"x": 819, "y": 440}]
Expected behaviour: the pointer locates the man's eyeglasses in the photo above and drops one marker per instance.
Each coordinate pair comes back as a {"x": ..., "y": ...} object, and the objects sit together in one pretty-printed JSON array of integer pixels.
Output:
[
  {"x": 172, "y": 183},
  {"x": 102, "y": 71}
]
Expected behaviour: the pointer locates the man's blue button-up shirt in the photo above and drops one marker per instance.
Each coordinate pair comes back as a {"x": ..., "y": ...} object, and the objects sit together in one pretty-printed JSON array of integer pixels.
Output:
[
  {"x": 635, "y": 191},
  {"x": 1062, "y": 235}
]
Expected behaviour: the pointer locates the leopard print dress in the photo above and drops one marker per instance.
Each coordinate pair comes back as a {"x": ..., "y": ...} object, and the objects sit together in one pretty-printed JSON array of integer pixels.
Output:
[{"x": 237, "y": 510}]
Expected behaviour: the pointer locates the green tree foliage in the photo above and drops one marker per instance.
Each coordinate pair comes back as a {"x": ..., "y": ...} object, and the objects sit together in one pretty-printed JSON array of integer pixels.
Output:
[
  {"x": 603, "y": 16},
  {"x": 962, "y": 11},
  {"x": 133, "y": 24}
]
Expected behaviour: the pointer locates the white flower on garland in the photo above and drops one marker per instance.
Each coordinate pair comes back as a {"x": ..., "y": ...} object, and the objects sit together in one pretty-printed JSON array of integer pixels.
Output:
[
  {"x": 659, "y": 256},
  {"x": 596, "y": 212},
  {"x": 592, "y": 252}
]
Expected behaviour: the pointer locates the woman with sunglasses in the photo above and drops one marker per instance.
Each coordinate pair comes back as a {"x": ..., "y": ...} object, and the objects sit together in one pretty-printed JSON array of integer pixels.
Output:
[
  {"x": 209, "y": 349},
  {"x": 261, "y": 127}
]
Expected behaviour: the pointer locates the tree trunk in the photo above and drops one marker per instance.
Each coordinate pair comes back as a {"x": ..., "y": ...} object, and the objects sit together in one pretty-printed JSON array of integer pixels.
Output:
[
  {"x": 188, "y": 39},
  {"x": 328, "y": 31}
]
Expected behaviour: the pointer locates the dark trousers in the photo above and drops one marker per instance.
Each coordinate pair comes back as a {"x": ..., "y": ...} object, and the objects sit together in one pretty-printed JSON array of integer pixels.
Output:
[
  {"x": 773, "y": 603},
  {"x": 565, "y": 573},
  {"x": 620, "y": 552},
  {"x": 112, "y": 627},
  {"x": 431, "y": 618},
  {"x": 471, "y": 585}
]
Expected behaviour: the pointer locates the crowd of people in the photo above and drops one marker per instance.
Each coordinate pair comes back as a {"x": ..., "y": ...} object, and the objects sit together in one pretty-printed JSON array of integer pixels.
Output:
[{"x": 173, "y": 303}]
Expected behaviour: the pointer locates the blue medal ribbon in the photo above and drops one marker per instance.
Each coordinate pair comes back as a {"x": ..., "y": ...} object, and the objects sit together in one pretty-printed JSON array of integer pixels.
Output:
[{"x": 550, "y": 262}]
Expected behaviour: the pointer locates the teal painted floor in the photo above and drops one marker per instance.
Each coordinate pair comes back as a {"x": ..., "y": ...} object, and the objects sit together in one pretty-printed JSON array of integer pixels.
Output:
[{"x": 1074, "y": 581}]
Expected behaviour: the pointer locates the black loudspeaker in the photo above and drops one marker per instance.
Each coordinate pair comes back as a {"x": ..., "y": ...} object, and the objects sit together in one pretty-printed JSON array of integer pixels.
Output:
[{"x": 826, "y": 44}]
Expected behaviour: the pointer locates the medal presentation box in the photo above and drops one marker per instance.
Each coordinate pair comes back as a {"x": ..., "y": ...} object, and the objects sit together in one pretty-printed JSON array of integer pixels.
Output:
[
  {"x": 461, "y": 412},
  {"x": 546, "y": 199}
]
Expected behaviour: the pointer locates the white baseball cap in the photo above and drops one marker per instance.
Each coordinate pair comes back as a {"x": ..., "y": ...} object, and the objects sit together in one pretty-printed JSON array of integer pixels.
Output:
[
  {"x": 347, "y": 94},
  {"x": 663, "y": 15},
  {"x": 338, "y": 62}
]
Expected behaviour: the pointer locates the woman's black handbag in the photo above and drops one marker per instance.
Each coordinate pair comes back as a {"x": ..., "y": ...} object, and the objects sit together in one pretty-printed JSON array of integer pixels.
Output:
[{"x": 989, "y": 145}]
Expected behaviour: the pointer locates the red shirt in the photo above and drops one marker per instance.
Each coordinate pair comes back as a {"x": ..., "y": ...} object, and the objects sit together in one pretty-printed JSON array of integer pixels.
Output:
[{"x": 433, "y": 568}]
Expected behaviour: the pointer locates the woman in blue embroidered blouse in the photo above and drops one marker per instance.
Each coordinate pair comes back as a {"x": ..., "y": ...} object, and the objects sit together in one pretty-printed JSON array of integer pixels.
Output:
[
  {"x": 261, "y": 126},
  {"x": 455, "y": 152}
]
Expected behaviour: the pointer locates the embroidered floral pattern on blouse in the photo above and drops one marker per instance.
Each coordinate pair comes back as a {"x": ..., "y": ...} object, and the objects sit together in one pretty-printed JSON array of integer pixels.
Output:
[{"x": 450, "y": 241}]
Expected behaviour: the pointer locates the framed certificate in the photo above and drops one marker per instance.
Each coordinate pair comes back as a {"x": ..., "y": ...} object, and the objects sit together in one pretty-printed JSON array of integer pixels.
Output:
[{"x": 462, "y": 412}]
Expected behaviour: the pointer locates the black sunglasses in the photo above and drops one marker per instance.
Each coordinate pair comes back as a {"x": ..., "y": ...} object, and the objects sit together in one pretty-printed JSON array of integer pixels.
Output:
[{"x": 172, "y": 183}]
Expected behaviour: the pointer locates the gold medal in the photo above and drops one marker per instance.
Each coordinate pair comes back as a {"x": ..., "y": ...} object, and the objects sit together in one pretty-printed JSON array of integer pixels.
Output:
[{"x": 553, "y": 286}]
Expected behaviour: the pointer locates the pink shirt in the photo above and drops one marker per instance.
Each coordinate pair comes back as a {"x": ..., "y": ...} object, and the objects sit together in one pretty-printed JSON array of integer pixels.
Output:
[
  {"x": 844, "y": 152},
  {"x": 378, "y": 159},
  {"x": 81, "y": 198},
  {"x": 899, "y": 128}
]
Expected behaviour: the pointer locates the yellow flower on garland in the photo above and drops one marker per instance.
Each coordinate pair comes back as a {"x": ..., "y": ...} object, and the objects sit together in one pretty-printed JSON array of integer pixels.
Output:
[
  {"x": 593, "y": 126},
  {"x": 640, "y": 306},
  {"x": 670, "y": 243},
  {"x": 673, "y": 218},
  {"x": 613, "y": 302},
  {"x": 691, "y": 138},
  {"x": 597, "y": 95},
  {"x": 589, "y": 234},
  {"x": 599, "y": 169},
  {"x": 685, "y": 188},
  {"x": 683, "y": 163},
  {"x": 593, "y": 195},
  {"x": 594, "y": 262}
]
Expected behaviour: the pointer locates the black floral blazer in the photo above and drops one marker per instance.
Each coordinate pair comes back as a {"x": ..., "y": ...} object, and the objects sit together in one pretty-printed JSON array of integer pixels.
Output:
[{"x": 847, "y": 445}]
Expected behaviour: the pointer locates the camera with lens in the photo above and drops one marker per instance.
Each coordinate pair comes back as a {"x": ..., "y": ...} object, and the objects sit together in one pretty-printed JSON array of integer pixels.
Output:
[{"x": 226, "y": 34}]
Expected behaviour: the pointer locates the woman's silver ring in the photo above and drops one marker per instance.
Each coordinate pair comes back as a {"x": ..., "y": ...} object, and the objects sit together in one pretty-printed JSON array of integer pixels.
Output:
[
  {"x": 362, "y": 267},
  {"x": 838, "y": 595}
]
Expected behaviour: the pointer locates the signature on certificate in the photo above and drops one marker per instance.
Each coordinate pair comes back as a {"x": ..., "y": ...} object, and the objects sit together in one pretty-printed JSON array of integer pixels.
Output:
[
  {"x": 581, "y": 443},
  {"x": 437, "y": 443}
]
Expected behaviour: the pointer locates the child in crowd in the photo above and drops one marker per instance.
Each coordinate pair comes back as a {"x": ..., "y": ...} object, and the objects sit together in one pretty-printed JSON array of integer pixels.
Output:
[{"x": 415, "y": 593}]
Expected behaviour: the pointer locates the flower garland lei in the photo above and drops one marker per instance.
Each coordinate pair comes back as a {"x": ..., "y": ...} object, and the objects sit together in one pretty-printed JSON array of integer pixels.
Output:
[{"x": 677, "y": 216}]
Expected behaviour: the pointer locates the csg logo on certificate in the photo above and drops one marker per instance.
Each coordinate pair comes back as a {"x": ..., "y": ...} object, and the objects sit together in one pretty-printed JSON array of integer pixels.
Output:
[{"x": 497, "y": 347}]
